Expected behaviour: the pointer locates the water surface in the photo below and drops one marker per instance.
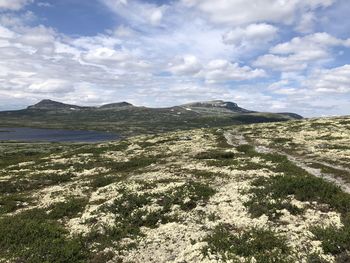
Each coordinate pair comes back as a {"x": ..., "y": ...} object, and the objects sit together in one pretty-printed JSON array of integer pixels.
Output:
[{"x": 54, "y": 135}]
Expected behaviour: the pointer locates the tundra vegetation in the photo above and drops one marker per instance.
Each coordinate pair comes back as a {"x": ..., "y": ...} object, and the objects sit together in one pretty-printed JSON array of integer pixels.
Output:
[{"x": 274, "y": 192}]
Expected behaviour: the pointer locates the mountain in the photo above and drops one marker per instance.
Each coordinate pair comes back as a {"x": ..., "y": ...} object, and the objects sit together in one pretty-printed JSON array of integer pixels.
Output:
[
  {"x": 292, "y": 115},
  {"x": 216, "y": 106},
  {"x": 127, "y": 119},
  {"x": 53, "y": 105},
  {"x": 116, "y": 105}
]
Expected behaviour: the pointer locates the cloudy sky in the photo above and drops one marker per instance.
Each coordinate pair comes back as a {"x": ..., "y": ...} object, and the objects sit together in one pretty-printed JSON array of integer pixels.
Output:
[{"x": 271, "y": 55}]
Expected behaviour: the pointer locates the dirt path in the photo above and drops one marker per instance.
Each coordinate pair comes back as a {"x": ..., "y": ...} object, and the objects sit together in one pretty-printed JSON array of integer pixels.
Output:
[{"x": 235, "y": 139}]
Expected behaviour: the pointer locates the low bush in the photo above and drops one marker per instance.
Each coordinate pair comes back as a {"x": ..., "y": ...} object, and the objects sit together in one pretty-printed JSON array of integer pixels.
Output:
[
  {"x": 31, "y": 237},
  {"x": 68, "y": 209},
  {"x": 217, "y": 155},
  {"x": 264, "y": 245}
]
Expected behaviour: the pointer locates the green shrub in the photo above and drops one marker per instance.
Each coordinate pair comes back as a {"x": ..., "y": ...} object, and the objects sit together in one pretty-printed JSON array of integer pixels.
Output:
[
  {"x": 11, "y": 203},
  {"x": 196, "y": 192},
  {"x": 263, "y": 245},
  {"x": 215, "y": 155},
  {"x": 131, "y": 165},
  {"x": 205, "y": 174},
  {"x": 31, "y": 237},
  {"x": 101, "y": 181},
  {"x": 33, "y": 183},
  {"x": 70, "y": 209},
  {"x": 304, "y": 188},
  {"x": 334, "y": 240},
  {"x": 247, "y": 149},
  {"x": 296, "y": 182},
  {"x": 130, "y": 215},
  {"x": 281, "y": 140}
]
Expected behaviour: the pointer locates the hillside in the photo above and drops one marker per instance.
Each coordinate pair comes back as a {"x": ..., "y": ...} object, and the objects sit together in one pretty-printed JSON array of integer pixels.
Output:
[
  {"x": 251, "y": 193},
  {"x": 126, "y": 119},
  {"x": 53, "y": 105}
]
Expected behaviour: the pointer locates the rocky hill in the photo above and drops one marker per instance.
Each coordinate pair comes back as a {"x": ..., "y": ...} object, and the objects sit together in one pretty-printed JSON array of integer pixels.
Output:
[{"x": 53, "y": 105}]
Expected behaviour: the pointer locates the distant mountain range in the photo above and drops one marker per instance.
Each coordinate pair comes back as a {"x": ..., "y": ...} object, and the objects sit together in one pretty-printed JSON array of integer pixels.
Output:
[
  {"x": 55, "y": 105},
  {"x": 126, "y": 119},
  {"x": 209, "y": 107}
]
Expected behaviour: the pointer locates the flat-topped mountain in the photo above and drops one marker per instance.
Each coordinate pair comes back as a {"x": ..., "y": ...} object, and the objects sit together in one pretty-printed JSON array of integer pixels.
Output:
[
  {"x": 215, "y": 104},
  {"x": 127, "y": 119}
]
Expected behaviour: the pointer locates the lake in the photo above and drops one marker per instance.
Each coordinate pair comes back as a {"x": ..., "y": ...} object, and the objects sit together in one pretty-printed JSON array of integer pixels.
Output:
[{"x": 54, "y": 135}]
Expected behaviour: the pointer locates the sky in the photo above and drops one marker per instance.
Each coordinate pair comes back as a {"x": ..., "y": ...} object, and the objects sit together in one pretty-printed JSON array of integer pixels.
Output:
[{"x": 265, "y": 55}]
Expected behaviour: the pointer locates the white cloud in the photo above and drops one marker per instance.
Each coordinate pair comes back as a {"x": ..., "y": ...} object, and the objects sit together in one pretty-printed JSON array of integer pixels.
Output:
[
  {"x": 114, "y": 61},
  {"x": 155, "y": 16},
  {"x": 213, "y": 71},
  {"x": 44, "y": 4},
  {"x": 253, "y": 34},
  {"x": 37, "y": 62},
  {"x": 310, "y": 42},
  {"x": 335, "y": 80},
  {"x": 51, "y": 86},
  {"x": 321, "y": 92},
  {"x": 186, "y": 65},
  {"x": 306, "y": 23},
  {"x": 103, "y": 54},
  {"x": 222, "y": 70},
  {"x": 123, "y": 32},
  {"x": 9, "y": 19},
  {"x": 279, "y": 63},
  {"x": 94, "y": 42},
  {"x": 40, "y": 39},
  {"x": 13, "y": 4},
  {"x": 238, "y": 12},
  {"x": 6, "y": 33},
  {"x": 300, "y": 52},
  {"x": 137, "y": 12}
]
